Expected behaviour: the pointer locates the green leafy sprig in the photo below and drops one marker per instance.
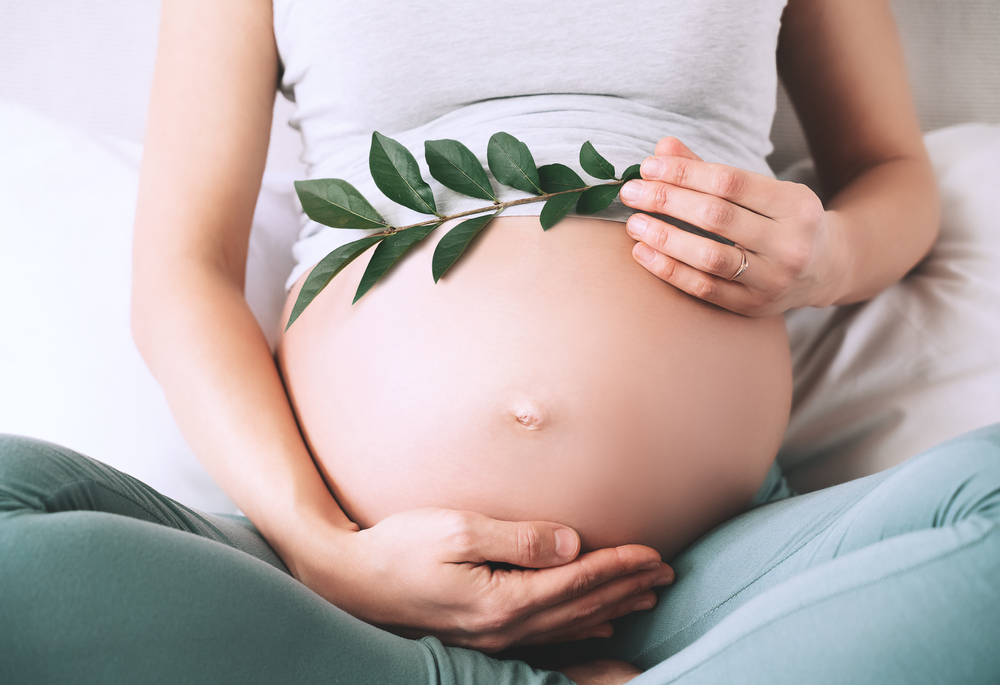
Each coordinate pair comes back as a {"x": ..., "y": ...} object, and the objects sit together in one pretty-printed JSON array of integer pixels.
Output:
[{"x": 336, "y": 203}]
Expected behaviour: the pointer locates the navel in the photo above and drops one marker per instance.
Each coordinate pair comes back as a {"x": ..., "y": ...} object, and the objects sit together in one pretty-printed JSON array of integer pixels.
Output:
[{"x": 529, "y": 414}]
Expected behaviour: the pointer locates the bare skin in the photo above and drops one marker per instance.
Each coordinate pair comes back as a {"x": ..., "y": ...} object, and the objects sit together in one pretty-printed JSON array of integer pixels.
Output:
[
  {"x": 206, "y": 145},
  {"x": 843, "y": 67},
  {"x": 547, "y": 376},
  {"x": 603, "y": 672}
]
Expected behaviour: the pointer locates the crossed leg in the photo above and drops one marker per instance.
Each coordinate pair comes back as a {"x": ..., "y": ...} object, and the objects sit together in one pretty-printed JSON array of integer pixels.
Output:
[{"x": 892, "y": 578}]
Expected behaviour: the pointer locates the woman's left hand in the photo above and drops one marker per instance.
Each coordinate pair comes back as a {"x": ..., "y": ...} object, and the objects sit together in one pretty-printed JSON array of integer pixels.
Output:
[{"x": 792, "y": 254}]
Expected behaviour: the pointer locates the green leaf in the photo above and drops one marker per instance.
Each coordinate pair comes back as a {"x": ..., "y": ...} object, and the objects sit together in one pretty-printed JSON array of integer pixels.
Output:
[
  {"x": 397, "y": 175},
  {"x": 556, "y": 209},
  {"x": 631, "y": 173},
  {"x": 512, "y": 164},
  {"x": 455, "y": 167},
  {"x": 327, "y": 268},
  {"x": 336, "y": 203},
  {"x": 388, "y": 253},
  {"x": 596, "y": 198},
  {"x": 594, "y": 164},
  {"x": 454, "y": 242},
  {"x": 557, "y": 177}
]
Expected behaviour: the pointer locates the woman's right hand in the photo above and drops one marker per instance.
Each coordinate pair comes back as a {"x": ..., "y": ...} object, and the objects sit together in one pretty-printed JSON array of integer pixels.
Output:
[{"x": 427, "y": 572}]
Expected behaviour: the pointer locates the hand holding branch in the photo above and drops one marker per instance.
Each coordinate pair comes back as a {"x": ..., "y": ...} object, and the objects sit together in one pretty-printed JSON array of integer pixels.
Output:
[{"x": 786, "y": 251}]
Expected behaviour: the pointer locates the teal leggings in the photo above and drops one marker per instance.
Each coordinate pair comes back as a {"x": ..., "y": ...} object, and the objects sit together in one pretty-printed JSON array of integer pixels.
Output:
[{"x": 893, "y": 578}]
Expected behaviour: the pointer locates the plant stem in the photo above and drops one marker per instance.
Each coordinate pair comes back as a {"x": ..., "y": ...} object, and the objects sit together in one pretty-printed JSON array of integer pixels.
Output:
[{"x": 495, "y": 207}]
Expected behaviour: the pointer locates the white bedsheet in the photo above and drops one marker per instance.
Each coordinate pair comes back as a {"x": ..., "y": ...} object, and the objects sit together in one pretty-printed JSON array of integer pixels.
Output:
[
  {"x": 875, "y": 383},
  {"x": 69, "y": 371}
]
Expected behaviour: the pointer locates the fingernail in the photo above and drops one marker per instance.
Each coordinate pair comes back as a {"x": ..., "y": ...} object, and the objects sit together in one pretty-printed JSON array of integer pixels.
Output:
[
  {"x": 650, "y": 566},
  {"x": 651, "y": 168},
  {"x": 644, "y": 254},
  {"x": 637, "y": 225},
  {"x": 643, "y": 605},
  {"x": 631, "y": 191},
  {"x": 666, "y": 580},
  {"x": 565, "y": 543}
]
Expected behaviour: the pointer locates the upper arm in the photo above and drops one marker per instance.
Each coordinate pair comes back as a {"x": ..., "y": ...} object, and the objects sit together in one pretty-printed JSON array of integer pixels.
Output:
[
  {"x": 206, "y": 135},
  {"x": 842, "y": 64}
]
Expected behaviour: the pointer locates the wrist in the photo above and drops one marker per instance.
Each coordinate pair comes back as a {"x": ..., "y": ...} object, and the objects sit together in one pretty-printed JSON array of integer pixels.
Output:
[
  {"x": 322, "y": 557},
  {"x": 308, "y": 535},
  {"x": 836, "y": 278}
]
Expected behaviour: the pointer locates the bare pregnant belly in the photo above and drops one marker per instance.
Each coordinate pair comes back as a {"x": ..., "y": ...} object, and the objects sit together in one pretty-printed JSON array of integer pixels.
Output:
[{"x": 547, "y": 376}]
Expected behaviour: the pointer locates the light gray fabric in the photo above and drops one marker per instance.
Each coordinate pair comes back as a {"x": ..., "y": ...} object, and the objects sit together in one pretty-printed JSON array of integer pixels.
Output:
[{"x": 705, "y": 73}]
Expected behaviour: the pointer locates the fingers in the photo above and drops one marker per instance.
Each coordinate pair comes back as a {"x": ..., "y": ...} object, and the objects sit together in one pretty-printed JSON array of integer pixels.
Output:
[
  {"x": 701, "y": 253},
  {"x": 671, "y": 147},
  {"x": 731, "y": 295},
  {"x": 597, "y": 626},
  {"x": 531, "y": 544},
  {"x": 532, "y": 606},
  {"x": 601, "y": 630},
  {"x": 604, "y": 603},
  {"x": 552, "y": 586},
  {"x": 705, "y": 211},
  {"x": 761, "y": 194}
]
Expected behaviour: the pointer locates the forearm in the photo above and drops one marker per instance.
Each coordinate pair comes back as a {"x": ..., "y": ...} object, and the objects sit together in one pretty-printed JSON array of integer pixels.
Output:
[
  {"x": 886, "y": 219},
  {"x": 203, "y": 159},
  {"x": 205, "y": 348},
  {"x": 843, "y": 66}
]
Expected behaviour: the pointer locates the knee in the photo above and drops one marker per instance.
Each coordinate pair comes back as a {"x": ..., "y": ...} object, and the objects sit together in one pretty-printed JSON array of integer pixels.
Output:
[
  {"x": 967, "y": 469},
  {"x": 28, "y": 467},
  {"x": 987, "y": 437},
  {"x": 977, "y": 451},
  {"x": 18, "y": 453}
]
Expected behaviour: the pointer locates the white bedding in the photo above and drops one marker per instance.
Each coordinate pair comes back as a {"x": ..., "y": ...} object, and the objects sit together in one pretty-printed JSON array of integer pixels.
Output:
[
  {"x": 916, "y": 365},
  {"x": 69, "y": 371},
  {"x": 879, "y": 382}
]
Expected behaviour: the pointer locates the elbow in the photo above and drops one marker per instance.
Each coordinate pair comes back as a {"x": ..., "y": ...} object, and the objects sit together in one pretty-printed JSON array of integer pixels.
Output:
[
  {"x": 929, "y": 226},
  {"x": 174, "y": 297},
  {"x": 141, "y": 314},
  {"x": 154, "y": 283}
]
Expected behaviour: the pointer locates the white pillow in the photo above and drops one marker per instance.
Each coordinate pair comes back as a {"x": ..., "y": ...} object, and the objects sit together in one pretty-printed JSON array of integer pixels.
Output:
[
  {"x": 878, "y": 382},
  {"x": 69, "y": 371}
]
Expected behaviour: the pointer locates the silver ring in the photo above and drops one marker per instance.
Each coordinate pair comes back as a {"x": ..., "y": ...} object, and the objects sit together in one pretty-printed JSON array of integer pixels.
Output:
[{"x": 743, "y": 265}]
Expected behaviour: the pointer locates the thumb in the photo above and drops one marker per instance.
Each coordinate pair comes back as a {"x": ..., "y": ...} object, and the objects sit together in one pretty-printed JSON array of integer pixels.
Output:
[
  {"x": 532, "y": 544},
  {"x": 671, "y": 147}
]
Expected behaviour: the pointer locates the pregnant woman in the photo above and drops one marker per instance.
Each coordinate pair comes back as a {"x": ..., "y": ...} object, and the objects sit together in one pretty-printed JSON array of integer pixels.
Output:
[{"x": 481, "y": 479}]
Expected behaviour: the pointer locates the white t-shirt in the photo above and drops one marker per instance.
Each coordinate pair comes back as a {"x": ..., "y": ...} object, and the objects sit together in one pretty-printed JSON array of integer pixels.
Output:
[{"x": 554, "y": 74}]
